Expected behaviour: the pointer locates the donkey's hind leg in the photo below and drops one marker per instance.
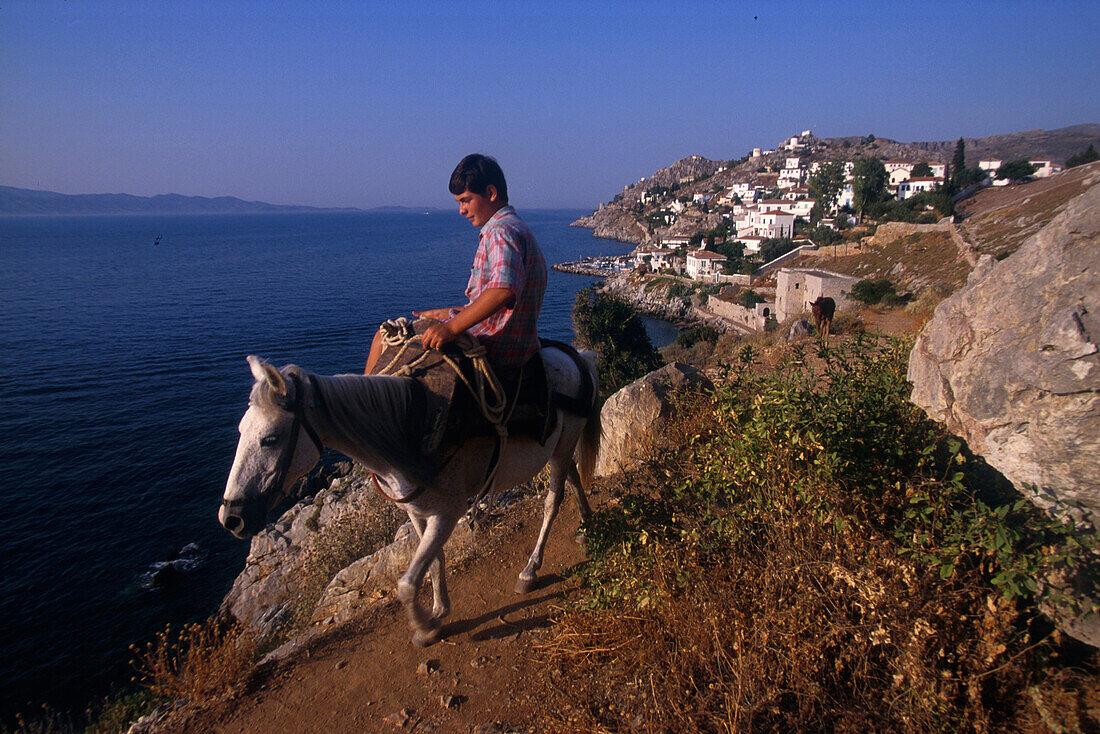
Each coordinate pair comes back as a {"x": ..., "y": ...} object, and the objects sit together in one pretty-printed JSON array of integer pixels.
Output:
[
  {"x": 551, "y": 504},
  {"x": 578, "y": 492}
]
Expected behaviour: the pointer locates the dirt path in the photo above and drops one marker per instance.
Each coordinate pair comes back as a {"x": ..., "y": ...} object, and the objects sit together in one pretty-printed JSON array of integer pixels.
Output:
[{"x": 362, "y": 676}]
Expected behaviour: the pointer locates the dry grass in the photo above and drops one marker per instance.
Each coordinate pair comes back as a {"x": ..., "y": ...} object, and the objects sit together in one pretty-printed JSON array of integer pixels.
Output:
[
  {"x": 754, "y": 580},
  {"x": 203, "y": 661},
  {"x": 352, "y": 536}
]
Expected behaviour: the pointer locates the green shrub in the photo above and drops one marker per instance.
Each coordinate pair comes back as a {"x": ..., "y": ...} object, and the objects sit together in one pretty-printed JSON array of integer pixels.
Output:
[
  {"x": 609, "y": 325},
  {"x": 688, "y": 337},
  {"x": 874, "y": 291}
]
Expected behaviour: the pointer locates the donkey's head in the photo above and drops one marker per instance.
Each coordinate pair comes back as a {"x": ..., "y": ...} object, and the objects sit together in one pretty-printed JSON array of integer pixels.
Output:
[{"x": 277, "y": 446}]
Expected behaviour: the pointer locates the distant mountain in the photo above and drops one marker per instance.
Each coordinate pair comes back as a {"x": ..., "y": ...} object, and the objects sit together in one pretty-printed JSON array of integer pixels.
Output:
[{"x": 29, "y": 201}]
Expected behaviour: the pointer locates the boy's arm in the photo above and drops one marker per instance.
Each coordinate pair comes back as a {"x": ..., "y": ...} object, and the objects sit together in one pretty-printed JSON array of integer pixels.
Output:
[
  {"x": 439, "y": 314},
  {"x": 488, "y": 303}
]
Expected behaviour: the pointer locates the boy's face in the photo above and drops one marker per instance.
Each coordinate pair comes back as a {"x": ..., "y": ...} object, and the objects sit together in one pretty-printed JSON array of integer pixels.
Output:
[{"x": 478, "y": 208}]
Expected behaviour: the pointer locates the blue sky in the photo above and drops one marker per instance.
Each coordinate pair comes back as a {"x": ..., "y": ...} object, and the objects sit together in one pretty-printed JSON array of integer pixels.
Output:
[{"x": 368, "y": 104}]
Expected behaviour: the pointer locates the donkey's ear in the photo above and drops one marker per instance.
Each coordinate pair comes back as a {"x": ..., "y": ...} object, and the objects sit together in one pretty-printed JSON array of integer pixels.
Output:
[{"x": 264, "y": 372}]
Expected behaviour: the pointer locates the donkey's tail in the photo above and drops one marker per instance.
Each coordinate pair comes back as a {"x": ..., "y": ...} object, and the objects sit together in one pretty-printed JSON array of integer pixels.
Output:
[{"x": 588, "y": 448}]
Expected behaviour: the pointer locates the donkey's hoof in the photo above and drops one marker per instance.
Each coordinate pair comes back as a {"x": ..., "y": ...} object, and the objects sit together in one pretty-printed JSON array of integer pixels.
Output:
[
  {"x": 426, "y": 639},
  {"x": 579, "y": 538},
  {"x": 524, "y": 586}
]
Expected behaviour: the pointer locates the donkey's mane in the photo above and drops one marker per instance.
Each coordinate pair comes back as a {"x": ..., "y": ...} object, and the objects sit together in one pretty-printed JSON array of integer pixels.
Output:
[{"x": 385, "y": 414}]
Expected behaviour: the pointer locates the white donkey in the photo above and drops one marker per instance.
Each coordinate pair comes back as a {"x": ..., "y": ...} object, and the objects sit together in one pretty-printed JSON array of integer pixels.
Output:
[{"x": 292, "y": 414}]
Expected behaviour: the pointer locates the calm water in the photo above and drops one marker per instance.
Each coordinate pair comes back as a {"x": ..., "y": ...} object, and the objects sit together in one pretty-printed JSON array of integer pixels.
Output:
[{"x": 122, "y": 378}]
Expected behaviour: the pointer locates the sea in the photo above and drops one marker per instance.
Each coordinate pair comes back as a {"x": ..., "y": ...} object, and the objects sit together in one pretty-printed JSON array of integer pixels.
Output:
[{"x": 123, "y": 377}]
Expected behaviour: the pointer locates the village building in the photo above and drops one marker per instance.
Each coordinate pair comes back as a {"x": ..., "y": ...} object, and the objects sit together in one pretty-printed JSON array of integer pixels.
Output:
[
  {"x": 754, "y": 319},
  {"x": 803, "y": 207},
  {"x": 897, "y": 176},
  {"x": 990, "y": 166},
  {"x": 704, "y": 265},
  {"x": 751, "y": 242},
  {"x": 918, "y": 185},
  {"x": 797, "y": 288},
  {"x": 1044, "y": 168},
  {"x": 773, "y": 224},
  {"x": 671, "y": 242}
]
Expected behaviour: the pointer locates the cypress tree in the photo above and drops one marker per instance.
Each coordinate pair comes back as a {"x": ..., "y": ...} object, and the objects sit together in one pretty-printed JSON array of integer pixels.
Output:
[{"x": 958, "y": 163}]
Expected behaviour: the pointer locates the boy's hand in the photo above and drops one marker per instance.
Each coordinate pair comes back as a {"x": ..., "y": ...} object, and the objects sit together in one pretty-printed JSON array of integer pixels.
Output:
[{"x": 436, "y": 335}]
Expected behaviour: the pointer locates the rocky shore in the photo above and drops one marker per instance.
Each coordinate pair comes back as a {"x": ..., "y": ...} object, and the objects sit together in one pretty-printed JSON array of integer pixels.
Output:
[
  {"x": 599, "y": 267},
  {"x": 684, "y": 312}
]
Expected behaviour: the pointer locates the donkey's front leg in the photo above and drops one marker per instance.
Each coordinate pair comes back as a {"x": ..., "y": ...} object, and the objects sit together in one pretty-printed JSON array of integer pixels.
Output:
[
  {"x": 433, "y": 534},
  {"x": 529, "y": 575},
  {"x": 437, "y": 571}
]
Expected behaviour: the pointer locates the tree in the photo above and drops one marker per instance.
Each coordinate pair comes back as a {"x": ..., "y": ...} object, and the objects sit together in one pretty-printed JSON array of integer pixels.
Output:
[
  {"x": 1086, "y": 156},
  {"x": 868, "y": 183},
  {"x": 921, "y": 169},
  {"x": 610, "y": 326},
  {"x": 1017, "y": 170},
  {"x": 749, "y": 298},
  {"x": 958, "y": 164},
  {"x": 827, "y": 183},
  {"x": 775, "y": 247}
]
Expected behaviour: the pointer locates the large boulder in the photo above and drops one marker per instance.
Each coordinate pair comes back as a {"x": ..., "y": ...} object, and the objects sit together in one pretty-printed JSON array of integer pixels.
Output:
[
  {"x": 634, "y": 418},
  {"x": 1010, "y": 362}
]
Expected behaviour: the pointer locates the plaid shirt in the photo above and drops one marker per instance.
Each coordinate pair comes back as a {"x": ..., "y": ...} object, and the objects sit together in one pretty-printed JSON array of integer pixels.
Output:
[{"x": 508, "y": 256}]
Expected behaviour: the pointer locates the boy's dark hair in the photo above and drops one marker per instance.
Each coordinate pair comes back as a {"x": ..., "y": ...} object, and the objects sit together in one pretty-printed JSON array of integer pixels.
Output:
[{"x": 475, "y": 173}]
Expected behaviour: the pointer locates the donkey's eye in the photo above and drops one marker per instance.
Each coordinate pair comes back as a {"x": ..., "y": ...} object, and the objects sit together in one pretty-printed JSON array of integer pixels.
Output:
[{"x": 269, "y": 440}]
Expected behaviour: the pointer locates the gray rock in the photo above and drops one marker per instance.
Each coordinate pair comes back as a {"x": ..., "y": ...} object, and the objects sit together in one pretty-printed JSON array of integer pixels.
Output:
[
  {"x": 634, "y": 418},
  {"x": 263, "y": 594},
  {"x": 1011, "y": 364},
  {"x": 800, "y": 329}
]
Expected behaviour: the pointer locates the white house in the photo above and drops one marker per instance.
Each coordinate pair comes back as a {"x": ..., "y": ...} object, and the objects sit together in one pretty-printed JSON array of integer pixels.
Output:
[
  {"x": 671, "y": 242},
  {"x": 702, "y": 198},
  {"x": 783, "y": 205},
  {"x": 704, "y": 265},
  {"x": 751, "y": 242},
  {"x": 990, "y": 166},
  {"x": 792, "y": 162},
  {"x": 802, "y": 207},
  {"x": 938, "y": 169},
  {"x": 897, "y": 176},
  {"x": 917, "y": 185},
  {"x": 797, "y": 288},
  {"x": 846, "y": 197},
  {"x": 789, "y": 177},
  {"x": 1044, "y": 169},
  {"x": 774, "y": 223},
  {"x": 896, "y": 165}
]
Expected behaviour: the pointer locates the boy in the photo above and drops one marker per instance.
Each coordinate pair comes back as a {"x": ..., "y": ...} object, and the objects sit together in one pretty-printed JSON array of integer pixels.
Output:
[{"x": 507, "y": 281}]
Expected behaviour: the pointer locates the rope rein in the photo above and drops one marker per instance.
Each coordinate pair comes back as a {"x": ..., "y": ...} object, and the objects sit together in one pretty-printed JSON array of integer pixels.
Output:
[{"x": 488, "y": 393}]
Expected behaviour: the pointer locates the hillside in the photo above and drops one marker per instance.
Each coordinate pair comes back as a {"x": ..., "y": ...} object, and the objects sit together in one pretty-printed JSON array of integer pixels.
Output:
[
  {"x": 625, "y": 216},
  {"x": 998, "y": 220},
  {"x": 30, "y": 201}
]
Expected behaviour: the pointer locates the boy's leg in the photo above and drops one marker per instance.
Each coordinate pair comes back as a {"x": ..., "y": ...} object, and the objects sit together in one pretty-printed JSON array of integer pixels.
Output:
[{"x": 375, "y": 352}]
